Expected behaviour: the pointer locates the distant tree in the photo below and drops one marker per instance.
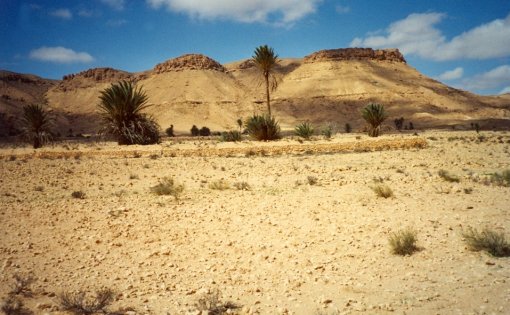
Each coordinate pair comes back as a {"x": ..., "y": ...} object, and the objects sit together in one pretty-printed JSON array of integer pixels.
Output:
[
  {"x": 266, "y": 60},
  {"x": 205, "y": 132},
  {"x": 347, "y": 128},
  {"x": 194, "y": 131},
  {"x": 411, "y": 126},
  {"x": 170, "y": 131},
  {"x": 374, "y": 115},
  {"x": 399, "y": 123},
  {"x": 240, "y": 124},
  {"x": 36, "y": 125},
  {"x": 121, "y": 107}
]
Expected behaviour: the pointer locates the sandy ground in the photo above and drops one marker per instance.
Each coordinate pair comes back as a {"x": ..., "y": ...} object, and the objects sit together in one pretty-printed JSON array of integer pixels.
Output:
[{"x": 285, "y": 246}]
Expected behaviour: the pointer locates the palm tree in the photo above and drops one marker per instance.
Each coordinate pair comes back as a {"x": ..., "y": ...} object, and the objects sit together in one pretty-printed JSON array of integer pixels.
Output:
[
  {"x": 266, "y": 59},
  {"x": 36, "y": 125},
  {"x": 121, "y": 107},
  {"x": 374, "y": 115}
]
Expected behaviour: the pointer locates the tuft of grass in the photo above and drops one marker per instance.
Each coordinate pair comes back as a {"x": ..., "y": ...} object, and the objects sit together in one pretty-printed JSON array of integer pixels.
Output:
[
  {"x": 382, "y": 190},
  {"x": 327, "y": 132},
  {"x": 448, "y": 177},
  {"x": 312, "y": 180},
  {"x": 79, "y": 304},
  {"x": 13, "y": 305},
  {"x": 78, "y": 194},
  {"x": 22, "y": 284},
  {"x": 501, "y": 179},
  {"x": 403, "y": 242},
  {"x": 242, "y": 186},
  {"x": 219, "y": 185},
  {"x": 304, "y": 130},
  {"x": 167, "y": 186},
  {"x": 488, "y": 240},
  {"x": 231, "y": 136},
  {"x": 211, "y": 304}
]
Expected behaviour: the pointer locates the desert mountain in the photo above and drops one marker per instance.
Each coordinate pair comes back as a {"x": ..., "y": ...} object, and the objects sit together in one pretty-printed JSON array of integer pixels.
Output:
[{"x": 328, "y": 86}]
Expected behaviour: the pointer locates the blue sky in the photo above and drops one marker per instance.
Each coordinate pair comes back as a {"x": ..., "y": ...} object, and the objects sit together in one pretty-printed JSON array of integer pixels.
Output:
[{"x": 465, "y": 44}]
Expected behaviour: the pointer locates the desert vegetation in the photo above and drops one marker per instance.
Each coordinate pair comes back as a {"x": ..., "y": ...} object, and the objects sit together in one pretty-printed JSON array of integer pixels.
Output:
[
  {"x": 374, "y": 115},
  {"x": 263, "y": 128},
  {"x": 121, "y": 107},
  {"x": 304, "y": 130},
  {"x": 266, "y": 60},
  {"x": 36, "y": 125}
]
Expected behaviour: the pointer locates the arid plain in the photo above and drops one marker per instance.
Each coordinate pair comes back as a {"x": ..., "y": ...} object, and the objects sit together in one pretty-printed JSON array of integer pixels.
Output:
[{"x": 286, "y": 227}]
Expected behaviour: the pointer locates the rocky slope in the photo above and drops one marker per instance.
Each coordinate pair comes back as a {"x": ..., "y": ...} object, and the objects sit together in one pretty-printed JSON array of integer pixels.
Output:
[{"x": 328, "y": 86}]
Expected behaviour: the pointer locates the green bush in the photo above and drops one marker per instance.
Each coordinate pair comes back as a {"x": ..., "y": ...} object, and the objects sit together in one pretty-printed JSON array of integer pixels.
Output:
[
  {"x": 490, "y": 241},
  {"x": 36, "y": 125},
  {"x": 403, "y": 242},
  {"x": 231, "y": 136},
  {"x": 121, "y": 109},
  {"x": 204, "y": 132},
  {"x": 327, "y": 132},
  {"x": 374, "y": 115},
  {"x": 501, "y": 179},
  {"x": 304, "y": 130},
  {"x": 263, "y": 128}
]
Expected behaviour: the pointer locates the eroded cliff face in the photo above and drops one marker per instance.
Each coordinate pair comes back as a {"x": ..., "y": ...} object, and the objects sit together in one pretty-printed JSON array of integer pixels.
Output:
[
  {"x": 355, "y": 54},
  {"x": 189, "y": 62}
]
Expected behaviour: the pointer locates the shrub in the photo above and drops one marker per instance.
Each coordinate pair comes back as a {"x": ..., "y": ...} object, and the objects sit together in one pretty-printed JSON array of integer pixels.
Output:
[
  {"x": 374, "y": 115},
  {"x": 79, "y": 304},
  {"x": 231, "y": 136},
  {"x": 490, "y": 241},
  {"x": 121, "y": 109},
  {"x": 22, "y": 284},
  {"x": 194, "y": 131},
  {"x": 211, "y": 304},
  {"x": 263, "y": 128},
  {"x": 170, "y": 131},
  {"x": 312, "y": 180},
  {"x": 382, "y": 190},
  {"x": 304, "y": 130},
  {"x": 36, "y": 125},
  {"x": 219, "y": 185},
  {"x": 502, "y": 179},
  {"x": 167, "y": 186},
  {"x": 78, "y": 194},
  {"x": 13, "y": 305},
  {"x": 348, "y": 128},
  {"x": 242, "y": 186},
  {"x": 448, "y": 177},
  {"x": 399, "y": 123},
  {"x": 240, "y": 124},
  {"x": 403, "y": 242},
  {"x": 204, "y": 132},
  {"x": 327, "y": 132}
]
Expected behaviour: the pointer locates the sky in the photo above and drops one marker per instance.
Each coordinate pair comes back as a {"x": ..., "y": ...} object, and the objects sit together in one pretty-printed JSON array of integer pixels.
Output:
[{"x": 464, "y": 44}]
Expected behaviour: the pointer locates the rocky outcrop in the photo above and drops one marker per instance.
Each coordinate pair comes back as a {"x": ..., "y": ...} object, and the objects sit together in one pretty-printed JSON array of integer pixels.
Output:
[
  {"x": 355, "y": 54},
  {"x": 100, "y": 75},
  {"x": 189, "y": 62}
]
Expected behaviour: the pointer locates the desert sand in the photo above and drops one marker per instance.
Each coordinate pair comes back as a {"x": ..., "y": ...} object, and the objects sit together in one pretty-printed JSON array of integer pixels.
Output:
[{"x": 308, "y": 236}]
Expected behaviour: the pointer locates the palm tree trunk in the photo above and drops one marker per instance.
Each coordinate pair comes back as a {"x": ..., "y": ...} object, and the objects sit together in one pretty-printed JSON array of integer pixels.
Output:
[{"x": 267, "y": 96}]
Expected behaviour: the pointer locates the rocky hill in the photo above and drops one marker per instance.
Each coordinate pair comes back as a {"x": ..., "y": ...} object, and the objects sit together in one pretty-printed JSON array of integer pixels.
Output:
[{"x": 328, "y": 86}]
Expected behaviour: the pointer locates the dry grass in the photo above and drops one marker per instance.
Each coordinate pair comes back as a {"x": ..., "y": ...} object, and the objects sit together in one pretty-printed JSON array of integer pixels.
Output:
[
  {"x": 211, "y": 304},
  {"x": 219, "y": 185},
  {"x": 167, "y": 186},
  {"x": 382, "y": 190},
  {"x": 403, "y": 242},
  {"x": 79, "y": 304},
  {"x": 448, "y": 177},
  {"x": 487, "y": 240}
]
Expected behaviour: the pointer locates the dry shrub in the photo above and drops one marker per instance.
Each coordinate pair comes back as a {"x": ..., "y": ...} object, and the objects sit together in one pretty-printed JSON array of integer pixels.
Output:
[
  {"x": 167, "y": 186},
  {"x": 403, "y": 242},
  {"x": 79, "y": 304},
  {"x": 219, "y": 185},
  {"x": 211, "y": 304},
  {"x": 448, "y": 177},
  {"x": 382, "y": 190},
  {"x": 488, "y": 240}
]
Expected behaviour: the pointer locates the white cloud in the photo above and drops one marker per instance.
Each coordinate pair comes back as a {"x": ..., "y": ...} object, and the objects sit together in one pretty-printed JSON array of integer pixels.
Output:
[
  {"x": 62, "y": 13},
  {"x": 496, "y": 78},
  {"x": 86, "y": 13},
  {"x": 505, "y": 90},
  {"x": 243, "y": 11},
  {"x": 417, "y": 34},
  {"x": 60, "y": 55},
  {"x": 342, "y": 9},
  {"x": 454, "y": 74},
  {"x": 116, "y": 4}
]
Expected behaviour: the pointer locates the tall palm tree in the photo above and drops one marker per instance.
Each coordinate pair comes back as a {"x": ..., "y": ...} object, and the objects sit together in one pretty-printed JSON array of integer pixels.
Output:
[
  {"x": 266, "y": 59},
  {"x": 121, "y": 107},
  {"x": 36, "y": 125},
  {"x": 375, "y": 115}
]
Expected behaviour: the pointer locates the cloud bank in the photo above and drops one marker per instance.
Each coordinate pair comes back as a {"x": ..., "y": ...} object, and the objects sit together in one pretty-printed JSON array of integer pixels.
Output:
[
  {"x": 60, "y": 55},
  {"x": 287, "y": 11},
  {"x": 62, "y": 13},
  {"x": 454, "y": 74},
  {"x": 418, "y": 34},
  {"x": 115, "y": 4},
  {"x": 492, "y": 79}
]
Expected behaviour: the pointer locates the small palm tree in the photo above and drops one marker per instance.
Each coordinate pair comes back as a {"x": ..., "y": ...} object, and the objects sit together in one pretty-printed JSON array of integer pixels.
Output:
[
  {"x": 36, "y": 125},
  {"x": 266, "y": 60},
  {"x": 374, "y": 115},
  {"x": 121, "y": 107}
]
